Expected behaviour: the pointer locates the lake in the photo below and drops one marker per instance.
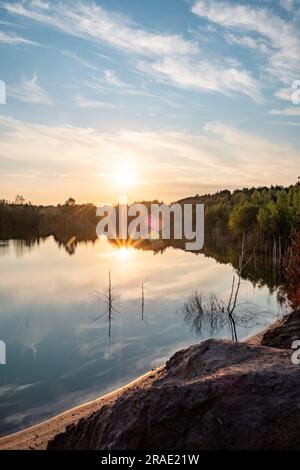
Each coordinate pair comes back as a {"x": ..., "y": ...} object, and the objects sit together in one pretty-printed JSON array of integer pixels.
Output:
[{"x": 61, "y": 350}]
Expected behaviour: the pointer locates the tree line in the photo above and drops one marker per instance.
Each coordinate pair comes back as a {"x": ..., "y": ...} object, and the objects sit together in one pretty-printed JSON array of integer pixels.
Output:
[{"x": 265, "y": 215}]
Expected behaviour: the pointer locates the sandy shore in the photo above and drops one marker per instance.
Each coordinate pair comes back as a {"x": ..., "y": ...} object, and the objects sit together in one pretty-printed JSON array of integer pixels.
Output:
[{"x": 37, "y": 437}]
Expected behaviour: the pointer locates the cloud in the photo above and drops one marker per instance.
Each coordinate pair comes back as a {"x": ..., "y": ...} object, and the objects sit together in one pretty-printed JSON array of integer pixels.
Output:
[
  {"x": 202, "y": 75},
  {"x": 93, "y": 22},
  {"x": 285, "y": 94},
  {"x": 8, "y": 23},
  {"x": 282, "y": 35},
  {"x": 287, "y": 4},
  {"x": 12, "y": 39},
  {"x": 171, "y": 58},
  {"x": 30, "y": 92},
  {"x": 286, "y": 123},
  {"x": 112, "y": 79},
  {"x": 109, "y": 79},
  {"x": 94, "y": 104},
  {"x": 76, "y": 58},
  {"x": 104, "y": 87},
  {"x": 168, "y": 164},
  {"x": 292, "y": 111},
  {"x": 40, "y": 4},
  {"x": 247, "y": 41},
  {"x": 242, "y": 146}
]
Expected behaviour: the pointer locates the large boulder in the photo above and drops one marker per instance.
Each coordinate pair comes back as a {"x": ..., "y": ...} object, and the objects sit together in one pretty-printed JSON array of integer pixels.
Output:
[
  {"x": 281, "y": 334},
  {"x": 215, "y": 395}
]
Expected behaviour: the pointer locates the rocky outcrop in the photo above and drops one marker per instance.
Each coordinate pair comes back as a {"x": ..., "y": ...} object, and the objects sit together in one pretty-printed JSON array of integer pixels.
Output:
[
  {"x": 215, "y": 395},
  {"x": 281, "y": 334}
]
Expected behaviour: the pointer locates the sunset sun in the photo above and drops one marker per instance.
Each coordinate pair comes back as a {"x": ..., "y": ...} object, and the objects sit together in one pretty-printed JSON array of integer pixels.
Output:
[{"x": 125, "y": 176}]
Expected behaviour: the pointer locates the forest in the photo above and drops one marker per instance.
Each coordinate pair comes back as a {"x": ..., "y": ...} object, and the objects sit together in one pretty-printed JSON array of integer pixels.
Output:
[
  {"x": 260, "y": 212},
  {"x": 269, "y": 217}
]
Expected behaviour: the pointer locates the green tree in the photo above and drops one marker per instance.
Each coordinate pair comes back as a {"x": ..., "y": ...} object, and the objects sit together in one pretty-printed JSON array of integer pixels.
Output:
[
  {"x": 243, "y": 218},
  {"x": 266, "y": 219}
]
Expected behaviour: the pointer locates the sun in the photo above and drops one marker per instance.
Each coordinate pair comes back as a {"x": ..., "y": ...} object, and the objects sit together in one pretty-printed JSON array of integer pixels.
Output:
[
  {"x": 125, "y": 176},
  {"x": 124, "y": 253}
]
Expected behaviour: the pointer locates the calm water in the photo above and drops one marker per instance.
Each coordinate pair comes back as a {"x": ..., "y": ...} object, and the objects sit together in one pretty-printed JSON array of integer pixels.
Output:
[{"x": 58, "y": 356}]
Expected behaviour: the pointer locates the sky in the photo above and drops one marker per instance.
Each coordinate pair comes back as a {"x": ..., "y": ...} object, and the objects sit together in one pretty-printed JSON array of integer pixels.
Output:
[{"x": 147, "y": 98}]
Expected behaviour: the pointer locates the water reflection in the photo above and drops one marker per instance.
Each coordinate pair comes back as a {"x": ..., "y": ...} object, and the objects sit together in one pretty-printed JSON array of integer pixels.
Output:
[
  {"x": 110, "y": 305},
  {"x": 20, "y": 247},
  {"x": 57, "y": 357},
  {"x": 212, "y": 315}
]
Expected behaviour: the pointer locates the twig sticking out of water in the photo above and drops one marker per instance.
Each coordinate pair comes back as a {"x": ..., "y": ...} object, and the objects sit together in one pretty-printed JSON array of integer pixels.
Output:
[
  {"x": 143, "y": 302},
  {"x": 110, "y": 301}
]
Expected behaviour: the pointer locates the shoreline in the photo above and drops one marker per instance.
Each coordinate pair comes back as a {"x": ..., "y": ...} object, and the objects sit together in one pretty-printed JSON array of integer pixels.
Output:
[{"x": 36, "y": 437}]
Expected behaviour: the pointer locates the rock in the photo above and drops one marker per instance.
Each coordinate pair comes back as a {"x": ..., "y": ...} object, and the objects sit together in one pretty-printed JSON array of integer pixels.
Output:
[
  {"x": 215, "y": 395},
  {"x": 282, "y": 334}
]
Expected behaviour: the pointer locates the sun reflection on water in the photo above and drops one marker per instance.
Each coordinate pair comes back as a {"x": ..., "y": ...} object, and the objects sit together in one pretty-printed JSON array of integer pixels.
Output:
[{"x": 124, "y": 253}]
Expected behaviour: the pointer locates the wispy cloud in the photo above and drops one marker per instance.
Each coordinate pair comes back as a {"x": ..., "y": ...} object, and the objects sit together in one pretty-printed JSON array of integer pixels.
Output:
[
  {"x": 40, "y": 4},
  {"x": 112, "y": 78},
  {"x": 73, "y": 56},
  {"x": 13, "y": 39},
  {"x": 29, "y": 91},
  {"x": 103, "y": 86},
  {"x": 93, "y": 22},
  {"x": 219, "y": 155},
  {"x": 248, "y": 42},
  {"x": 286, "y": 123},
  {"x": 9, "y": 23},
  {"x": 292, "y": 111},
  {"x": 285, "y": 94},
  {"x": 202, "y": 75},
  {"x": 282, "y": 35},
  {"x": 170, "y": 57},
  {"x": 287, "y": 4},
  {"x": 243, "y": 144},
  {"x": 83, "y": 102},
  {"x": 106, "y": 81}
]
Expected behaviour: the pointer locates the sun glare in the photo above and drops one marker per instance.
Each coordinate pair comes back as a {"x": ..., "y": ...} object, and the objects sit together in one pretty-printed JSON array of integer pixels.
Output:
[
  {"x": 125, "y": 176},
  {"x": 124, "y": 253}
]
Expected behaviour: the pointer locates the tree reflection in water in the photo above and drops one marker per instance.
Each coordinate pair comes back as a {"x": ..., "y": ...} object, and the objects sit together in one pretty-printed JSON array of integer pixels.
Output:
[
  {"x": 110, "y": 300},
  {"x": 212, "y": 315}
]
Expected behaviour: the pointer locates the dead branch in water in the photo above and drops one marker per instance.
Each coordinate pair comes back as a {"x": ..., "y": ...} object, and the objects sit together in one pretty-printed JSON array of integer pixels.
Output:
[
  {"x": 110, "y": 299},
  {"x": 215, "y": 313}
]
